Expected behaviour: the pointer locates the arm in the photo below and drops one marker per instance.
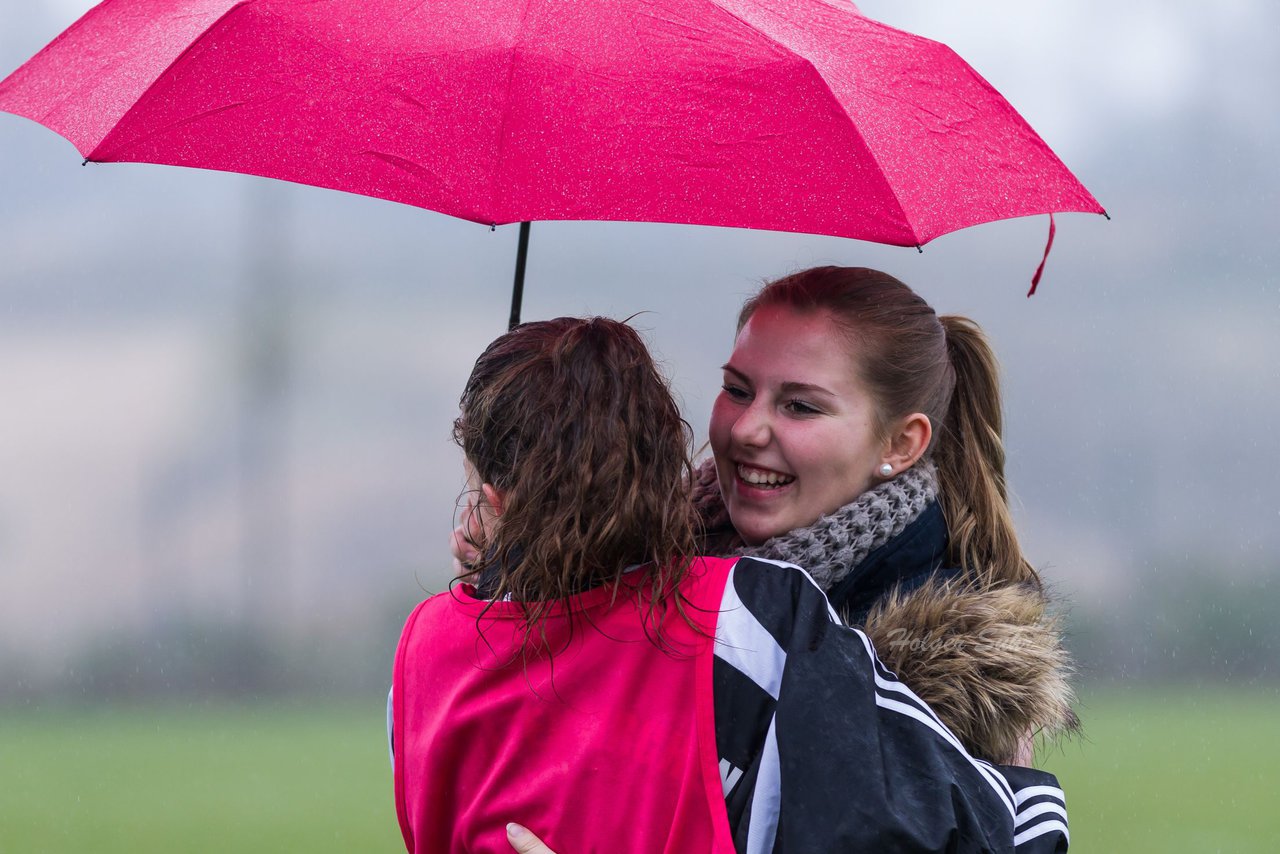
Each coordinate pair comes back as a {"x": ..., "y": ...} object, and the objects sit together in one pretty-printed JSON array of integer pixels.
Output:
[
  {"x": 849, "y": 758},
  {"x": 1041, "y": 821},
  {"x": 822, "y": 749}
]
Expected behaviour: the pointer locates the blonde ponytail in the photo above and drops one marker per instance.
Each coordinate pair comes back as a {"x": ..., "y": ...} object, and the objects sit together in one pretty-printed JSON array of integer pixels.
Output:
[{"x": 969, "y": 452}]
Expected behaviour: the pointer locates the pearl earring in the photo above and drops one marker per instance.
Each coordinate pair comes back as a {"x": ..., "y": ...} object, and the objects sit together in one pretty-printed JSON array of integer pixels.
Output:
[{"x": 886, "y": 470}]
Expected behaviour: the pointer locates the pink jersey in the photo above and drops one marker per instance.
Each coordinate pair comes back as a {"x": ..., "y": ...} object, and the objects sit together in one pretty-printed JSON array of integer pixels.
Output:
[{"x": 607, "y": 745}]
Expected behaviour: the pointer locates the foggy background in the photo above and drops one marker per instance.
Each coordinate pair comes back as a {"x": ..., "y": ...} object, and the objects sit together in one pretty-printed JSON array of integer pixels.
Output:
[{"x": 225, "y": 402}]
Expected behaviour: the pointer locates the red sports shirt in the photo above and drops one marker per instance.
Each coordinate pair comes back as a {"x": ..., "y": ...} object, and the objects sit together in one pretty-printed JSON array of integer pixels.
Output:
[{"x": 607, "y": 745}]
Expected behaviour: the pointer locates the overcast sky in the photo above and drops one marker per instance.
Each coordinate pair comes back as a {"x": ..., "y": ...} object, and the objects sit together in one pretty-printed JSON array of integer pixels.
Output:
[{"x": 1142, "y": 382}]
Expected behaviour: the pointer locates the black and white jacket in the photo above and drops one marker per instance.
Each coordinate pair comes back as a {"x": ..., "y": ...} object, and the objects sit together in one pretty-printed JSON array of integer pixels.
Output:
[{"x": 822, "y": 748}]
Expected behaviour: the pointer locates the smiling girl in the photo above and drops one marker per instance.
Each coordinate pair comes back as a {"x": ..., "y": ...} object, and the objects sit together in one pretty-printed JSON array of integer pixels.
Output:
[{"x": 859, "y": 435}]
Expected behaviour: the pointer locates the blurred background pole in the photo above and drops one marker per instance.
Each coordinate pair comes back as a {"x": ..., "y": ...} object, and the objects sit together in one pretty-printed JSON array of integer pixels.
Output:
[{"x": 265, "y": 375}]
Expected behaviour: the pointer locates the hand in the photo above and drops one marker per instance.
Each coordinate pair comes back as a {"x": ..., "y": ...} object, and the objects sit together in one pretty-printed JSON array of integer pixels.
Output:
[
  {"x": 463, "y": 540},
  {"x": 464, "y": 553},
  {"x": 523, "y": 840}
]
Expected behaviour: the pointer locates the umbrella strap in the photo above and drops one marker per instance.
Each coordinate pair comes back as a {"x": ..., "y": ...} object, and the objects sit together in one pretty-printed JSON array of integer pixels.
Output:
[{"x": 1035, "y": 280}]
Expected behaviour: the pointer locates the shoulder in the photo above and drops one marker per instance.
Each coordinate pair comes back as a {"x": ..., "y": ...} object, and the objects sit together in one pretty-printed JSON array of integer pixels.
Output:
[
  {"x": 1040, "y": 824},
  {"x": 441, "y": 601},
  {"x": 769, "y": 609},
  {"x": 434, "y": 612},
  {"x": 768, "y": 574},
  {"x": 774, "y": 592},
  {"x": 805, "y": 713}
]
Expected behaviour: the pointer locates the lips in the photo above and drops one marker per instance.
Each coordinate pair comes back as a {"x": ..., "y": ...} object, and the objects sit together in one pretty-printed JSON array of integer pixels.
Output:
[{"x": 762, "y": 478}]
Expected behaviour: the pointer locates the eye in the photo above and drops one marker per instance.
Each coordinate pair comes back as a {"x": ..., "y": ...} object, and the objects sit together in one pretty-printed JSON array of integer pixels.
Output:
[
  {"x": 736, "y": 392},
  {"x": 799, "y": 407}
]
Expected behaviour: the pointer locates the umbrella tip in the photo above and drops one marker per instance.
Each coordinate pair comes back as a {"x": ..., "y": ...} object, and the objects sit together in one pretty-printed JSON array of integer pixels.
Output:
[
  {"x": 1107, "y": 215},
  {"x": 84, "y": 162},
  {"x": 919, "y": 248}
]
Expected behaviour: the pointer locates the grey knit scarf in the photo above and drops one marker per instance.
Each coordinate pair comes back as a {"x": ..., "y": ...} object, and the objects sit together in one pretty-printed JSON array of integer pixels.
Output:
[{"x": 834, "y": 545}]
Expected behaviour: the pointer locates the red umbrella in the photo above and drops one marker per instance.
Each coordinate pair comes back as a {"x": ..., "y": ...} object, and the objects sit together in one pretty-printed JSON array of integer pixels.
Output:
[{"x": 787, "y": 115}]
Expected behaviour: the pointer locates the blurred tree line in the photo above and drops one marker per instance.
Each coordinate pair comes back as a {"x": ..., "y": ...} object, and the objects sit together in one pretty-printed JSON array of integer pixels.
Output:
[
  {"x": 1179, "y": 621},
  {"x": 203, "y": 658},
  {"x": 1183, "y": 620}
]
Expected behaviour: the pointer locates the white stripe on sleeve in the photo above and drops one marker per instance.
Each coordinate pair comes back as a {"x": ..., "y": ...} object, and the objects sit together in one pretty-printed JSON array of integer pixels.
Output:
[
  {"x": 1041, "y": 830},
  {"x": 1039, "y": 810},
  {"x": 766, "y": 799},
  {"x": 746, "y": 645},
  {"x": 1030, "y": 792}
]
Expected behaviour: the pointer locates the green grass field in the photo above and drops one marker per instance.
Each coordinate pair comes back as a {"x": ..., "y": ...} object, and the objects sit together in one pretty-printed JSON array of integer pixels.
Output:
[
  {"x": 209, "y": 778},
  {"x": 1174, "y": 772},
  {"x": 1171, "y": 772}
]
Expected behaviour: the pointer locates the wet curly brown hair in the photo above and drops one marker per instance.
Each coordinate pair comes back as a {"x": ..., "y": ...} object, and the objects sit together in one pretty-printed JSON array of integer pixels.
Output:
[{"x": 572, "y": 422}]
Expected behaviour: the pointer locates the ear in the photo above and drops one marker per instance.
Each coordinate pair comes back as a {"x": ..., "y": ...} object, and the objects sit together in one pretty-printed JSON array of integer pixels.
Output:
[
  {"x": 908, "y": 442},
  {"x": 494, "y": 497}
]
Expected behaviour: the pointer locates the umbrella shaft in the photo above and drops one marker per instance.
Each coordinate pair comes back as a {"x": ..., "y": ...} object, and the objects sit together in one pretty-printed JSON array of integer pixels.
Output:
[{"x": 517, "y": 289}]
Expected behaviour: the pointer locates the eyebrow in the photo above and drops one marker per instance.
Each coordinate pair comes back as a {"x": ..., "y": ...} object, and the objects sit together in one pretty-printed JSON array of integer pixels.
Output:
[{"x": 788, "y": 387}]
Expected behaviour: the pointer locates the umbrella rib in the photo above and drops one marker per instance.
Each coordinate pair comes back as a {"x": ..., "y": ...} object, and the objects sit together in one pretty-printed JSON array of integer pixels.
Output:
[
  {"x": 915, "y": 239},
  {"x": 177, "y": 59},
  {"x": 986, "y": 85},
  {"x": 879, "y": 170},
  {"x": 792, "y": 53},
  {"x": 500, "y": 154}
]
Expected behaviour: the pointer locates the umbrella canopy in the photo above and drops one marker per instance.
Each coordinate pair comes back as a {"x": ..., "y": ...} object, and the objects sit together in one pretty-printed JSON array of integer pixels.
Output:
[{"x": 787, "y": 115}]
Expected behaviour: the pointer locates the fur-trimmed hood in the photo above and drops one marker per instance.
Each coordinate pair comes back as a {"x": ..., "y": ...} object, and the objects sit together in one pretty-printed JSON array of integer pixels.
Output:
[{"x": 990, "y": 662}]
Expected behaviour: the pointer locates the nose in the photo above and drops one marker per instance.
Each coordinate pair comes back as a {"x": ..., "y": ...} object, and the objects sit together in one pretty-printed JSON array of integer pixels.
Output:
[{"x": 752, "y": 428}]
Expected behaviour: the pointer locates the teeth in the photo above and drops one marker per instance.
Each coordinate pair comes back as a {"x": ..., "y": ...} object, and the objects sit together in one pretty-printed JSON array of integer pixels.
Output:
[{"x": 763, "y": 477}]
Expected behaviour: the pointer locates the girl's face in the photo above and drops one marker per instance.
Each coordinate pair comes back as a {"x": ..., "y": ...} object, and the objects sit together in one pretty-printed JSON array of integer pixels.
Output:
[{"x": 793, "y": 429}]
